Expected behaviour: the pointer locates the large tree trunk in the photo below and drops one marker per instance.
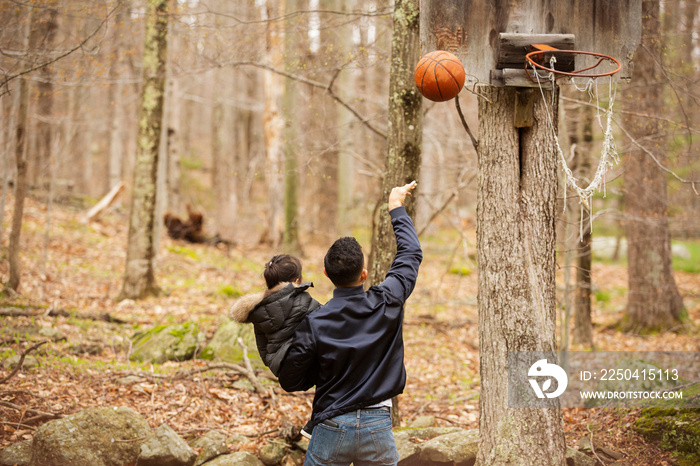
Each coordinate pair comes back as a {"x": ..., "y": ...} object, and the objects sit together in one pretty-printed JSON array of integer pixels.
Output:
[
  {"x": 654, "y": 302},
  {"x": 22, "y": 104},
  {"x": 139, "y": 279},
  {"x": 516, "y": 254},
  {"x": 404, "y": 141}
]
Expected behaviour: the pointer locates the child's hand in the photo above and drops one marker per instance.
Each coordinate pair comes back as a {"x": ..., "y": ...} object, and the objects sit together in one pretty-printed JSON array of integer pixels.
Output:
[{"x": 399, "y": 193}]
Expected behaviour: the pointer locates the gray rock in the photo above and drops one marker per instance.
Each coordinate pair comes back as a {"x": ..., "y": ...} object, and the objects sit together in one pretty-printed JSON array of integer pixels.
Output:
[
  {"x": 11, "y": 362},
  {"x": 212, "y": 444},
  {"x": 224, "y": 344},
  {"x": 605, "y": 246},
  {"x": 240, "y": 458},
  {"x": 165, "y": 448},
  {"x": 273, "y": 453},
  {"x": 19, "y": 454},
  {"x": 129, "y": 380},
  {"x": 93, "y": 437},
  {"x": 52, "y": 333},
  {"x": 680, "y": 251},
  {"x": 576, "y": 458},
  {"x": 236, "y": 439},
  {"x": 458, "y": 448},
  {"x": 408, "y": 442},
  {"x": 423, "y": 421},
  {"x": 167, "y": 343}
]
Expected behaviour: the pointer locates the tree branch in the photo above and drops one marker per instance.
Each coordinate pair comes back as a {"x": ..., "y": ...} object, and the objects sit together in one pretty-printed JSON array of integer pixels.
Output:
[
  {"x": 21, "y": 361},
  {"x": 692, "y": 183},
  {"x": 384, "y": 12},
  {"x": 4, "y": 83},
  {"x": 475, "y": 143},
  {"x": 37, "y": 414},
  {"x": 302, "y": 79}
]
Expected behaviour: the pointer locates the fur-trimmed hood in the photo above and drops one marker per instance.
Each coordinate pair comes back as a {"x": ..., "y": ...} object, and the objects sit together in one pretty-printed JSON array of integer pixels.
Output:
[
  {"x": 242, "y": 308},
  {"x": 275, "y": 314}
]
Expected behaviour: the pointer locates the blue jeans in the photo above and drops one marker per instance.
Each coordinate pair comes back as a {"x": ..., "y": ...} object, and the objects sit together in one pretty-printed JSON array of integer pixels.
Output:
[{"x": 362, "y": 437}]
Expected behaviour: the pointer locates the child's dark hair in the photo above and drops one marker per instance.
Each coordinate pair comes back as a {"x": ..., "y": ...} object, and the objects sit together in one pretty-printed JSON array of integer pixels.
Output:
[
  {"x": 282, "y": 268},
  {"x": 344, "y": 261}
]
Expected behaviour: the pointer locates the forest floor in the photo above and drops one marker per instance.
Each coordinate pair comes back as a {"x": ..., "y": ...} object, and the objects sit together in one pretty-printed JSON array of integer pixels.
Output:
[{"x": 81, "y": 272}]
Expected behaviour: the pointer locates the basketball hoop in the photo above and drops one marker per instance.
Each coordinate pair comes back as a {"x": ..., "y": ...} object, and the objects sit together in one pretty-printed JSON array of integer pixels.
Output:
[
  {"x": 609, "y": 156},
  {"x": 537, "y": 57}
]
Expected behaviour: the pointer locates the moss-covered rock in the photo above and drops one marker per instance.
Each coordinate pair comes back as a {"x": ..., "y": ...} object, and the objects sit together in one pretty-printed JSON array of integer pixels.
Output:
[
  {"x": 93, "y": 437},
  {"x": 167, "y": 343},
  {"x": 19, "y": 454},
  {"x": 677, "y": 430},
  {"x": 224, "y": 345}
]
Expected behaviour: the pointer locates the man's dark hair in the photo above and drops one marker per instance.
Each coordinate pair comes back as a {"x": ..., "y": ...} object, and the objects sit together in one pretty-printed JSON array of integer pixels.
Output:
[
  {"x": 282, "y": 268},
  {"x": 344, "y": 262}
]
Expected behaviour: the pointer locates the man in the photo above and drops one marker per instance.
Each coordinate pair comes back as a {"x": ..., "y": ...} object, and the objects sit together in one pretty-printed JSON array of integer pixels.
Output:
[{"x": 352, "y": 350}]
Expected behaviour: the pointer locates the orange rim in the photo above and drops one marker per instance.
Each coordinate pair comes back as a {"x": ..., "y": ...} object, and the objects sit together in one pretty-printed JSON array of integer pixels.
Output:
[{"x": 576, "y": 73}]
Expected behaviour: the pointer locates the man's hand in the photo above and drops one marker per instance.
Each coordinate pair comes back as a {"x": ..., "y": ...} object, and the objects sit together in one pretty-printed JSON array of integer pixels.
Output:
[{"x": 399, "y": 193}]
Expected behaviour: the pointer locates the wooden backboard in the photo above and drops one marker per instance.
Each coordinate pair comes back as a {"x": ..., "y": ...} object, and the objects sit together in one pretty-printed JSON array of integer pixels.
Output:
[{"x": 471, "y": 28}]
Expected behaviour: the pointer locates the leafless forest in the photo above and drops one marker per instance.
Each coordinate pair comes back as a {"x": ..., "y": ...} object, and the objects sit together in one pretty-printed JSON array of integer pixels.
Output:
[{"x": 275, "y": 126}]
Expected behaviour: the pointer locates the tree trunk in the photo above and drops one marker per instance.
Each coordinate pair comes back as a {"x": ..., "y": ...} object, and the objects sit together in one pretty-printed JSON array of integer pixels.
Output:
[
  {"x": 404, "y": 141},
  {"x": 346, "y": 81},
  {"x": 291, "y": 243},
  {"x": 39, "y": 155},
  {"x": 273, "y": 125},
  {"x": 139, "y": 279},
  {"x": 516, "y": 255},
  {"x": 583, "y": 326},
  {"x": 654, "y": 302},
  {"x": 22, "y": 104}
]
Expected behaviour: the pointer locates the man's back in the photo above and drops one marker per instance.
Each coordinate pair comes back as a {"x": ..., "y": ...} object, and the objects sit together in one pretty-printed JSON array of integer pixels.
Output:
[
  {"x": 352, "y": 350},
  {"x": 352, "y": 347}
]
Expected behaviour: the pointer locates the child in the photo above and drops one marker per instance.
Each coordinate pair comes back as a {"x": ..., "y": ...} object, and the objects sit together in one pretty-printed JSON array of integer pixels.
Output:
[{"x": 276, "y": 312}]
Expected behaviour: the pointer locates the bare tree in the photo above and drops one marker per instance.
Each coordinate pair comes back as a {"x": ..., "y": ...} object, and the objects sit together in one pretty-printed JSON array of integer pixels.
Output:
[
  {"x": 139, "y": 278},
  {"x": 273, "y": 88},
  {"x": 654, "y": 302},
  {"x": 404, "y": 140},
  {"x": 22, "y": 105}
]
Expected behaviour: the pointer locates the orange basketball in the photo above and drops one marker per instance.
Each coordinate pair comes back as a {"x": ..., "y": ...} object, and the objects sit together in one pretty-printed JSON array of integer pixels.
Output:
[{"x": 439, "y": 76}]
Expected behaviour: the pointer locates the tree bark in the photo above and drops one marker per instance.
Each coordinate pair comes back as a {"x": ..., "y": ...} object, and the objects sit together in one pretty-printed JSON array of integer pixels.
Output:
[
  {"x": 291, "y": 243},
  {"x": 272, "y": 127},
  {"x": 139, "y": 279},
  {"x": 583, "y": 326},
  {"x": 21, "y": 178},
  {"x": 654, "y": 303},
  {"x": 404, "y": 141},
  {"x": 43, "y": 37},
  {"x": 516, "y": 256}
]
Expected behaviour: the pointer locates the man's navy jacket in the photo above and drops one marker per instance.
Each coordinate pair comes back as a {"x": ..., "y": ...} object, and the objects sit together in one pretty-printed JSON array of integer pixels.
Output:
[{"x": 352, "y": 347}]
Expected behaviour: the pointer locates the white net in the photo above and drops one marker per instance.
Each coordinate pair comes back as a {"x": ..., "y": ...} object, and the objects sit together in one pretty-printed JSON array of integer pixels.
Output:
[{"x": 608, "y": 156}]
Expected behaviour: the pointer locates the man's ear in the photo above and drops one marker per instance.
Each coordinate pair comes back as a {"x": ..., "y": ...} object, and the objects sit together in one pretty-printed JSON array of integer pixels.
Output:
[
  {"x": 324, "y": 272},
  {"x": 363, "y": 275}
]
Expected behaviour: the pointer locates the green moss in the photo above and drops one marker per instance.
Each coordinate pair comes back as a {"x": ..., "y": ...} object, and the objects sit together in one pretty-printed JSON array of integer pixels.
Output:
[
  {"x": 676, "y": 430},
  {"x": 689, "y": 264},
  {"x": 229, "y": 291},
  {"x": 602, "y": 296},
  {"x": 460, "y": 270},
  {"x": 184, "y": 251}
]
